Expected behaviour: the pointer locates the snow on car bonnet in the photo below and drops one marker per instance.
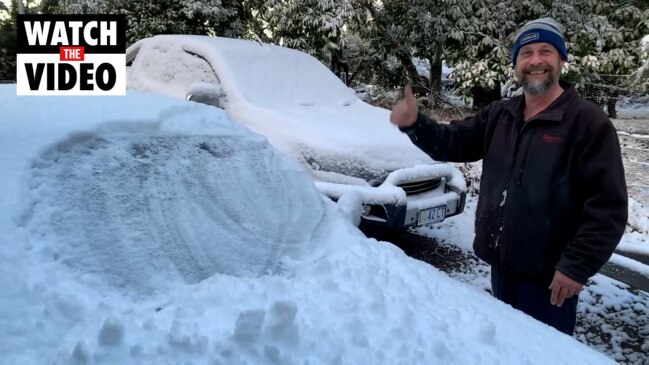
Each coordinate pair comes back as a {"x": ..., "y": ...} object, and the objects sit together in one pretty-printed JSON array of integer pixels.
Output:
[{"x": 186, "y": 197}]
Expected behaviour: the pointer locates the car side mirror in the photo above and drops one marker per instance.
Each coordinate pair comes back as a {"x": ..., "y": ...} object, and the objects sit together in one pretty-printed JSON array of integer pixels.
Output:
[{"x": 204, "y": 93}]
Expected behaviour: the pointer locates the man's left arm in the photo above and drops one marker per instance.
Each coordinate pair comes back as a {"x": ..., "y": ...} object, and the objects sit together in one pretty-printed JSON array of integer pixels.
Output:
[{"x": 604, "y": 214}]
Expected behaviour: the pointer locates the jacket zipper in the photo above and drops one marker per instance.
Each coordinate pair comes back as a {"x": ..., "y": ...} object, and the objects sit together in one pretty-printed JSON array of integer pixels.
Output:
[
  {"x": 522, "y": 169},
  {"x": 506, "y": 188}
]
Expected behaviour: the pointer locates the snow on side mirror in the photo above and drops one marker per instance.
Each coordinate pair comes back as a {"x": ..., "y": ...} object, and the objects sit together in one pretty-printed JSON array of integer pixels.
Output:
[{"x": 205, "y": 93}]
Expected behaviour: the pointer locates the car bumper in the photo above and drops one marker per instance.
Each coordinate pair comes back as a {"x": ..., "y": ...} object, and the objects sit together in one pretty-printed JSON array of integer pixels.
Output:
[
  {"x": 401, "y": 216},
  {"x": 398, "y": 201}
]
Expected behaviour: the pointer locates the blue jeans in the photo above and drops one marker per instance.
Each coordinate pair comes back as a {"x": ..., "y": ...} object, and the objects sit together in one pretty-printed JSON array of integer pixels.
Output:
[{"x": 534, "y": 300}]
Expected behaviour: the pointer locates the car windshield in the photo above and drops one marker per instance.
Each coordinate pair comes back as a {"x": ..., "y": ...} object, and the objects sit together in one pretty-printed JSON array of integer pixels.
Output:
[{"x": 269, "y": 75}]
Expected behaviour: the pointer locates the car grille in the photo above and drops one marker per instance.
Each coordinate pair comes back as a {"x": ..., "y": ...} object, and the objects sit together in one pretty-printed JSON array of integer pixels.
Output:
[{"x": 418, "y": 187}]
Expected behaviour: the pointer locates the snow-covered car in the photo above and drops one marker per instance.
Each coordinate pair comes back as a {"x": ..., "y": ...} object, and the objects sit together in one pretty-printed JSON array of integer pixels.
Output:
[
  {"x": 144, "y": 229},
  {"x": 304, "y": 110}
]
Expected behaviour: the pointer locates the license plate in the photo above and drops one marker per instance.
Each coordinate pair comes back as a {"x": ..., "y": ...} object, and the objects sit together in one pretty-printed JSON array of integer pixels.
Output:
[{"x": 432, "y": 215}]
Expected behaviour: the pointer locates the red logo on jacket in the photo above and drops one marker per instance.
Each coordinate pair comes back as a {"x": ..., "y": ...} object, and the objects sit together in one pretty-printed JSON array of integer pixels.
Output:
[{"x": 548, "y": 138}]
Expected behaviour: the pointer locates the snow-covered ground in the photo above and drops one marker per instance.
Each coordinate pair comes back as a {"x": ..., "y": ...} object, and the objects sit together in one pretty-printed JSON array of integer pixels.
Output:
[
  {"x": 143, "y": 229},
  {"x": 634, "y": 140},
  {"x": 611, "y": 318},
  {"x": 632, "y": 109}
]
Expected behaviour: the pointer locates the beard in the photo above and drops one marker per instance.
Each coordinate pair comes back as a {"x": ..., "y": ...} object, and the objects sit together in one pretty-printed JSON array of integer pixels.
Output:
[{"x": 535, "y": 85}]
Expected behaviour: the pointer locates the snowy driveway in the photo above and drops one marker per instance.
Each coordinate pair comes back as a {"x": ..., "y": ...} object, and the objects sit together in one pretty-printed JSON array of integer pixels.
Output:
[{"x": 634, "y": 140}]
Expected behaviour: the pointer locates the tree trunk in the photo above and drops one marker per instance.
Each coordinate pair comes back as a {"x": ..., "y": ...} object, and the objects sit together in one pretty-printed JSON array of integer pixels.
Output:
[
  {"x": 610, "y": 106},
  {"x": 419, "y": 84},
  {"x": 436, "y": 72},
  {"x": 482, "y": 97},
  {"x": 359, "y": 68},
  {"x": 339, "y": 67}
]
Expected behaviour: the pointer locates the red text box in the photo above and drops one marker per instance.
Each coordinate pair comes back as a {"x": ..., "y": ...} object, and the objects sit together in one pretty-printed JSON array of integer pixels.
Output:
[{"x": 71, "y": 54}]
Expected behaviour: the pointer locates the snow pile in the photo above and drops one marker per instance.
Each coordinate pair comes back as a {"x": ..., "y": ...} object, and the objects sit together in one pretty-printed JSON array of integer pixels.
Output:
[
  {"x": 135, "y": 232},
  {"x": 636, "y": 236},
  {"x": 611, "y": 317},
  {"x": 351, "y": 206},
  {"x": 472, "y": 172},
  {"x": 638, "y": 217},
  {"x": 631, "y": 264},
  {"x": 633, "y": 108}
]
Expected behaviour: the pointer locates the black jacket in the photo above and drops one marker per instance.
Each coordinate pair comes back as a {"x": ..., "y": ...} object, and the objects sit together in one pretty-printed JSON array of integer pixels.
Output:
[{"x": 552, "y": 191}]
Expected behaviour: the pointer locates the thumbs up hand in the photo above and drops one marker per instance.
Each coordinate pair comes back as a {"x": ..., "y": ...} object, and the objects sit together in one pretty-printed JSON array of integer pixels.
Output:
[{"x": 404, "y": 112}]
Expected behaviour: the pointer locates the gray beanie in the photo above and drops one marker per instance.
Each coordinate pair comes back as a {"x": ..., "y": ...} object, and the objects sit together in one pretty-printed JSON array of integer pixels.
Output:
[{"x": 540, "y": 30}]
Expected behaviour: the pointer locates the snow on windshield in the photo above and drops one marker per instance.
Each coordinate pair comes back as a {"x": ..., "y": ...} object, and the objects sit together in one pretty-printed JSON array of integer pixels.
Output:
[
  {"x": 165, "y": 68},
  {"x": 184, "y": 194},
  {"x": 171, "y": 206},
  {"x": 257, "y": 69}
]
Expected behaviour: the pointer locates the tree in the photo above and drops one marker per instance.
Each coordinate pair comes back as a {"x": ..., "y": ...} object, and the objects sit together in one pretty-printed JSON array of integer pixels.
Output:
[
  {"x": 479, "y": 52},
  {"x": 639, "y": 79},
  {"x": 603, "y": 39},
  {"x": 314, "y": 26},
  {"x": 7, "y": 43},
  {"x": 600, "y": 36},
  {"x": 8, "y": 37},
  {"x": 384, "y": 42},
  {"x": 427, "y": 26},
  {"x": 146, "y": 18}
]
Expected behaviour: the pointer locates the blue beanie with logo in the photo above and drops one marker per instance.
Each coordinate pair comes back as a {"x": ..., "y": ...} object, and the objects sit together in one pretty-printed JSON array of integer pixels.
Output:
[{"x": 540, "y": 30}]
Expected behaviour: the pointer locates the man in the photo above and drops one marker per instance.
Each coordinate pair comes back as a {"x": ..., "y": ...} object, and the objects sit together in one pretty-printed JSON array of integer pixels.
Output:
[{"x": 553, "y": 202}]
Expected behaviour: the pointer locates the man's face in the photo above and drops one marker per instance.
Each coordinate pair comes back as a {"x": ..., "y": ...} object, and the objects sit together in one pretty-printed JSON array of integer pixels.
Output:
[{"x": 538, "y": 66}]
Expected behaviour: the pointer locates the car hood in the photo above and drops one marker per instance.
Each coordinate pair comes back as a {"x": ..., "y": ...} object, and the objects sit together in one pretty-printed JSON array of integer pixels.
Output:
[{"x": 355, "y": 140}]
